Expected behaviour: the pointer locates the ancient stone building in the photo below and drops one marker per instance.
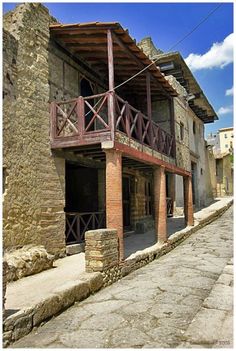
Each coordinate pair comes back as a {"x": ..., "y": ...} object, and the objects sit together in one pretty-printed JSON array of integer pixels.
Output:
[
  {"x": 82, "y": 150},
  {"x": 191, "y": 110}
]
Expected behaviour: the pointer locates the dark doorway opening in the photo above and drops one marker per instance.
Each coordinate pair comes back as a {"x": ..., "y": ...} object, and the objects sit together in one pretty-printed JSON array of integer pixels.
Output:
[
  {"x": 81, "y": 208},
  {"x": 81, "y": 188}
]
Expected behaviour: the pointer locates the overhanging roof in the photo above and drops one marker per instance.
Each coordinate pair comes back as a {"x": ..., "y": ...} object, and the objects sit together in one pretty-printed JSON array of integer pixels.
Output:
[
  {"x": 88, "y": 41},
  {"x": 173, "y": 64}
]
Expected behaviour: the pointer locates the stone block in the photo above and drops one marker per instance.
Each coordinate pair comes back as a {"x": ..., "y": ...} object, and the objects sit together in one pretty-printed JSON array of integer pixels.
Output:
[
  {"x": 100, "y": 234},
  {"x": 71, "y": 292},
  {"x": 11, "y": 321},
  {"x": 75, "y": 249},
  {"x": 22, "y": 327},
  {"x": 47, "y": 308},
  {"x": 95, "y": 280},
  {"x": 27, "y": 261}
]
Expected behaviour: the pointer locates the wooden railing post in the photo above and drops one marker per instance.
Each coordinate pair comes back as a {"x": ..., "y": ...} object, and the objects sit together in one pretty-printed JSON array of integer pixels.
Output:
[
  {"x": 127, "y": 119},
  {"x": 111, "y": 102},
  {"x": 140, "y": 131},
  {"x": 80, "y": 112}
]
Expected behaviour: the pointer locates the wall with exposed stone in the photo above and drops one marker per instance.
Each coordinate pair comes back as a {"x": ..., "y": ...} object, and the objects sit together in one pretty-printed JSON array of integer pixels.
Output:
[
  {"x": 27, "y": 261},
  {"x": 161, "y": 114},
  {"x": 141, "y": 220},
  {"x": 181, "y": 112},
  {"x": 210, "y": 173},
  {"x": 65, "y": 75},
  {"x": 34, "y": 179},
  {"x": 224, "y": 177}
]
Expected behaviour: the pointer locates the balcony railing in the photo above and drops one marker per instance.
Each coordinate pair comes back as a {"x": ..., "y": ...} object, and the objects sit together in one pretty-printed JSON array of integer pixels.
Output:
[
  {"x": 96, "y": 118},
  {"x": 78, "y": 223}
]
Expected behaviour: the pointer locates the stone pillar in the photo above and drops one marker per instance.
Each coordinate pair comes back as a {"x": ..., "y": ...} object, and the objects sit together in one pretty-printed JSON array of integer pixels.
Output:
[
  {"x": 114, "y": 207},
  {"x": 101, "y": 250},
  {"x": 188, "y": 201},
  {"x": 160, "y": 204}
]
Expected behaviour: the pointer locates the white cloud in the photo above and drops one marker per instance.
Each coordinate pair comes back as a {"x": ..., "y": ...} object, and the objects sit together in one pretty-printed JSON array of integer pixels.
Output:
[
  {"x": 229, "y": 92},
  {"x": 219, "y": 55},
  {"x": 225, "y": 110}
]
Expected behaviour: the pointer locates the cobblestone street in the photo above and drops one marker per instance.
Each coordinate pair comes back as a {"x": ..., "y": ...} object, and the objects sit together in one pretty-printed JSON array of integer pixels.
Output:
[{"x": 182, "y": 300}]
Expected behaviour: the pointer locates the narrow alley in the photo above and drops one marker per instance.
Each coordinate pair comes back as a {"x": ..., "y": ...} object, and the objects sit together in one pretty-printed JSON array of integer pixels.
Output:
[{"x": 183, "y": 299}]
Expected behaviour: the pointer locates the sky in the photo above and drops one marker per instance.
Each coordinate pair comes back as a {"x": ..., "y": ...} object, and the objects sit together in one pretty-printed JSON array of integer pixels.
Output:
[{"x": 208, "y": 50}]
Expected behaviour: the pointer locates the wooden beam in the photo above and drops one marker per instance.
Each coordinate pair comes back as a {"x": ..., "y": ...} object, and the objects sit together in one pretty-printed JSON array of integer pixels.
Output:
[
  {"x": 83, "y": 161},
  {"x": 127, "y": 50}
]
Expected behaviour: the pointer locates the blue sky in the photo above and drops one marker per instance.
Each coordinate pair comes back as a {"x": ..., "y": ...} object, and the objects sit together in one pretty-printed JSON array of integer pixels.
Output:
[{"x": 167, "y": 23}]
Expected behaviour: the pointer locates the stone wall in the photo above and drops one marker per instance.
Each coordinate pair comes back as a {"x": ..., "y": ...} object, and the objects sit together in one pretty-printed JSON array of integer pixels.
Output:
[
  {"x": 102, "y": 254},
  {"x": 148, "y": 47},
  {"x": 34, "y": 180},
  {"x": 140, "y": 218},
  {"x": 210, "y": 173},
  {"x": 4, "y": 286},
  {"x": 225, "y": 182},
  {"x": 65, "y": 75},
  {"x": 161, "y": 114}
]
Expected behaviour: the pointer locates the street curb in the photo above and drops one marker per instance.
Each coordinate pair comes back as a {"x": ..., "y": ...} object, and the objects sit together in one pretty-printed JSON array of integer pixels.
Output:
[
  {"x": 22, "y": 322},
  {"x": 141, "y": 258}
]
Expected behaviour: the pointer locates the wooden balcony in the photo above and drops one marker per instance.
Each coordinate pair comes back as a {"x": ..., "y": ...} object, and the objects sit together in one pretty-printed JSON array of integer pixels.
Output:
[{"x": 98, "y": 118}]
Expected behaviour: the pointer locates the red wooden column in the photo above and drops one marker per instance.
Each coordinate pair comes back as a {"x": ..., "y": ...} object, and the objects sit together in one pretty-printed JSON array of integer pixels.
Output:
[
  {"x": 188, "y": 201},
  {"x": 114, "y": 206},
  {"x": 111, "y": 104},
  {"x": 160, "y": 203}
]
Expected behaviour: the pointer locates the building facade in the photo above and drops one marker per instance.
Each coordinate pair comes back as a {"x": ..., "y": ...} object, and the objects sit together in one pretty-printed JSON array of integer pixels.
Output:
[
  {"x": 190, "y": 132},
  {"x": 82, "y": 150},
  {"x": 226, "y": 140},
  {"x": 223, "y": 140}
]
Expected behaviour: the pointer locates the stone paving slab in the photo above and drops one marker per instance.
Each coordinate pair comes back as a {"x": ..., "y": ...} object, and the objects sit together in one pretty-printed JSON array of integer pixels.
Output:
[
  {"x": 53, "y": 296},
  {"x": 212, "y": 327},
  {"x": 151, "y": 307}
]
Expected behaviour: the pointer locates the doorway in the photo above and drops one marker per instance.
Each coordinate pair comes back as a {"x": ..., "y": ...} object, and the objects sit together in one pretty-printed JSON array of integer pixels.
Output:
[{"x": 82, "y": 202}]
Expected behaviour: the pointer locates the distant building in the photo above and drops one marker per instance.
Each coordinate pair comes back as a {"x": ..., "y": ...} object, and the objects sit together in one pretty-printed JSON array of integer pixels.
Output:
[
  {"x": 226, "y": 138},
  {"x": 213, "y": 140},
  {"x": 222, "y": 141}
]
